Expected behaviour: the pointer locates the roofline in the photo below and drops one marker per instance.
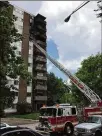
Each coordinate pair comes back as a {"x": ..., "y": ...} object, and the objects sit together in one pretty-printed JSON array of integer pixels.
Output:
[{"x": 21, "y": 9}]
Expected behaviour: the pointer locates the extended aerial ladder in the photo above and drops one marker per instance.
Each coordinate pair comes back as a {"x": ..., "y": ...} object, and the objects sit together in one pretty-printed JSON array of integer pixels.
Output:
[{"x": 91, "y": 95}]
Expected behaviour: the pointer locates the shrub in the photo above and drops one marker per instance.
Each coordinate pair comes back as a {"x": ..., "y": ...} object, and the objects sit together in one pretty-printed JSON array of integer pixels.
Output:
[
  {"x": 2, "y": 114},
  {"x": 23, "y": 108}
]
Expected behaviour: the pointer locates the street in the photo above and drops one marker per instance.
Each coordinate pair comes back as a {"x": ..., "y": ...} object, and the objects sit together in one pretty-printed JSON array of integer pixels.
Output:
[{"x": 32, "y": 126}]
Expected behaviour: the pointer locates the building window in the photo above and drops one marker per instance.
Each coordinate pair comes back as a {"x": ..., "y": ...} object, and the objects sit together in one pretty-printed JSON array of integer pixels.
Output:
[
  {"x": 16, "y": 82},
  {"x": 16, "y": 93},
  {"x": 29, "y": 83},
  {"x": 30, "y": 55},
  {"x": 30, "y": 64},
  {"x": 16, "y": 26},
  {"x": 30, "y": 47},
  {"x": 20, "y": 19},
  {"x": 20, "y": 27},
  {"x": 18, "y": 10},
  {"x": 28, "y": 94},
  {"x": 19, "y": 52},
  {"x": 30, "y": 43},
  {"x": 18, "y": 44},
  {"x": 31, "y": 20}
]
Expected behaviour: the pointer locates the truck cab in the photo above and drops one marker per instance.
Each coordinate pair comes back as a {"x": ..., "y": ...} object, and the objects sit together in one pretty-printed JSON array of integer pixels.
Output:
[{"x": 92, "y": 127}]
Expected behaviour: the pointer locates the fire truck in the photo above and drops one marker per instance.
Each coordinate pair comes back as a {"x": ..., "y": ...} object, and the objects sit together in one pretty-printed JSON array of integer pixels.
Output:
[
  {"x": 63, "y": 117},
  {"x": 57, "y": 118}
]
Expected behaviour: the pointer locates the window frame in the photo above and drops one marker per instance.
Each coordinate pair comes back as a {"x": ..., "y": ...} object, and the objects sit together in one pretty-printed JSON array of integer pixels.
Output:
[
  {"x": 61, "y": 111},
  {"x": 74, "y": 111}
]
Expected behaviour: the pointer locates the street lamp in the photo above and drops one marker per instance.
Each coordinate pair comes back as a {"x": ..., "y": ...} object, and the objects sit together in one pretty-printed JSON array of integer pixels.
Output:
[{"x": 79, "y": 7}]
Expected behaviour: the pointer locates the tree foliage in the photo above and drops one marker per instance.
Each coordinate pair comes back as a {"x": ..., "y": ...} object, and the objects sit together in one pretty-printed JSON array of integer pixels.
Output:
[
  {"x": 10, "y": 64},
  {"x": 56, "y": 88},
  {"x": 68, "y": 97},
  {"x": 91, "y": 74},
  {"x": 99, "y": 10}
]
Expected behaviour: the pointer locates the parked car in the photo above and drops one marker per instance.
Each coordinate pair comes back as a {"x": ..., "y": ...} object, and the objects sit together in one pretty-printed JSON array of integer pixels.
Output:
[
  {"x": 18, "y": 131},
  {"x": 93, "y": 127},
  {"x": 5, "y": 125}
]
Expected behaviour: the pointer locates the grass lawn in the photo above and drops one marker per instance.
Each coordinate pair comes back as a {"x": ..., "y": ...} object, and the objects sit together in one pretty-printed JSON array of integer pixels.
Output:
[{"x": 34, "y": 116}]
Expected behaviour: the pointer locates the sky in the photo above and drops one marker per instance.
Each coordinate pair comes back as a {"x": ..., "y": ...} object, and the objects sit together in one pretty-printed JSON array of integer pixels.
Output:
[{"x": 69, "y": 43}]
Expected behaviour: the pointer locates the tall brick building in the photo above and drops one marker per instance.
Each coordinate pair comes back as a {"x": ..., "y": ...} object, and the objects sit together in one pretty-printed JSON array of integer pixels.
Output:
[{"x": 27, "y": 25}]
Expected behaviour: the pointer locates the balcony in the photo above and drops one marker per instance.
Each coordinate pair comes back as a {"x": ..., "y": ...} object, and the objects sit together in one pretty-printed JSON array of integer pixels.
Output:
[
  {"x": 37, "y": 51},
  {"x": 41, "y": 28},
  {"x": 41, "y": 87},
  {"x": 40, "y": 68},
  {"x": 41, "y": 43},
  {"x": 41, "y": 98},
  {"x": 39, "y": 18},
  {"x": 42, "y": 59},
  {"x": 40, "y": 78},
  {"x": 41, "y": 36}
]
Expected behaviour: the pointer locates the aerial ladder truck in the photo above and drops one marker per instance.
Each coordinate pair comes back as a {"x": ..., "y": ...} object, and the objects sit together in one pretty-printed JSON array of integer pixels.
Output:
[{"x": 69, "y": 120}]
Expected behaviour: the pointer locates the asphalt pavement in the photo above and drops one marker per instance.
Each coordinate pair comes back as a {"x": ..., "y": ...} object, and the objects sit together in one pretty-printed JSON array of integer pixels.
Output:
[{"x": 32, "y": 126}]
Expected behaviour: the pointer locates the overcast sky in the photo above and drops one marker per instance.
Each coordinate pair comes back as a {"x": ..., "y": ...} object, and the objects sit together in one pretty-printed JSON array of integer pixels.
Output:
[{"x": 73, "y": 41}]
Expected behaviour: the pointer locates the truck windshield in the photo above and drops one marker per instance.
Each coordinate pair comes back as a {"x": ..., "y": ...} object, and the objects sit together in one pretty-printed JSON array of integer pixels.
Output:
[
  {"x": 48, "y": 112},
  {"x": 94, "y": 120}
]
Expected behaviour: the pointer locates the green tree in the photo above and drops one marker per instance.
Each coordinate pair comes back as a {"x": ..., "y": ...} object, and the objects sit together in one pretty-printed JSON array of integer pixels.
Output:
[
  {"x": 91, "y": 74},
  {"x": 56, "y": 88},
  {"x": 68, "y": 97},
  {"x": 99, "y": 10},
  {"x": 10, "y": 64}
]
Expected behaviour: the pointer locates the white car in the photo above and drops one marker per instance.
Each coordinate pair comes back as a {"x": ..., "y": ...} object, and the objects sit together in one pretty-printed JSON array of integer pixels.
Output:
[
  {"x": 5, "y": 125},
  {"x": 93, "y": 127}
]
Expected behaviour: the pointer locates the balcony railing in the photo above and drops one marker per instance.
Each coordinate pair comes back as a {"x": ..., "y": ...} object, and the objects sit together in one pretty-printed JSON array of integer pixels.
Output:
[
  {"x": 41, "y": 43},
  {"x": 40, "y": 59},
  {"x": 40, "y": 68},
  {"x": 41, "y": 87},
  {"x": 41, "y": 98},
  {"x": 41, "y": 77}
]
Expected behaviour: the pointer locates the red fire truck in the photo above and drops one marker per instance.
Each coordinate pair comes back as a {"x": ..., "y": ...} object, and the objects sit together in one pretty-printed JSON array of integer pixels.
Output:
[
  {"x": 57, "y": 118},
  {"x": 64, "y": 117}
]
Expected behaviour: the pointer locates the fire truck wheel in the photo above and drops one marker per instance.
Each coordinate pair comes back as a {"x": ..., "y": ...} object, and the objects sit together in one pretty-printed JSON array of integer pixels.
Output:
[
  {"x": 98, "y": 133},
  {"x": 69, "y": 129}
]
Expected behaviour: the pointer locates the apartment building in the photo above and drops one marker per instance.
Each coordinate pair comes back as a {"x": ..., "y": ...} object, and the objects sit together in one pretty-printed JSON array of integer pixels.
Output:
[{"x": 29, "y": 25}]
